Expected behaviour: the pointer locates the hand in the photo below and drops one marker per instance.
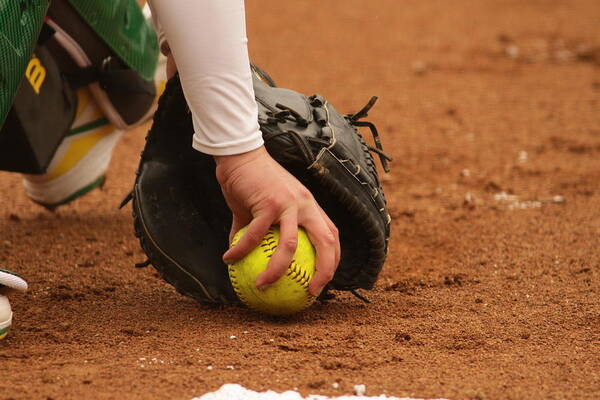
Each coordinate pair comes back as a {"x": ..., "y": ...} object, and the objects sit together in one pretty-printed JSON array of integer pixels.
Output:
[{"x": 261, "y": 193}]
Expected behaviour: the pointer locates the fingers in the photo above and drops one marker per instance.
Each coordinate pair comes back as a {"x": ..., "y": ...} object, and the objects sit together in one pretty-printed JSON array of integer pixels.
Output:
[
  {"x": 281, "y": 259},
  {"x": 326, "y": 243},
  {"x": 252, "y": 238},
  {"x": 321, "y": 231},
  {"x": 334, "y": 230}
]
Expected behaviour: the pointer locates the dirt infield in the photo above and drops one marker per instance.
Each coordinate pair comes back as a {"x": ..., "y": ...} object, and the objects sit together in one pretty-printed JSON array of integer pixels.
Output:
[{"x": 491, "y": 110}]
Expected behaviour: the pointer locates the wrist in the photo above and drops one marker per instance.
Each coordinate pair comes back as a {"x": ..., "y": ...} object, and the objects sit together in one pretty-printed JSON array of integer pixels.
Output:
[
  {"x": 226, "y": 165},
  {"x": 235, "y": 159}
]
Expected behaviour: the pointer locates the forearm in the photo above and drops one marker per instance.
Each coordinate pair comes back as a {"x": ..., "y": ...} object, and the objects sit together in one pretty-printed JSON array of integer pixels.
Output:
[{"x": 208, "y": 41}]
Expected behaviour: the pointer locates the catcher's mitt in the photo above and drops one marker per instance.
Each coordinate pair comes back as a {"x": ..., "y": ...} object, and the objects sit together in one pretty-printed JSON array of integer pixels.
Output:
[{"x": 182, "y": 219}]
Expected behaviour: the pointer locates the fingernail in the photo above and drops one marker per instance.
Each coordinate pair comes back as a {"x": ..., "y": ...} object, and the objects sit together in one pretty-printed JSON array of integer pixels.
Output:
[{"x": 227, "y": 257}]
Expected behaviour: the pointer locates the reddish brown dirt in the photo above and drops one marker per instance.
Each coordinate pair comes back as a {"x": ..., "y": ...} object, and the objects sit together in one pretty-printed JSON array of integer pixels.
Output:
[{"x": 480, "y": 299}]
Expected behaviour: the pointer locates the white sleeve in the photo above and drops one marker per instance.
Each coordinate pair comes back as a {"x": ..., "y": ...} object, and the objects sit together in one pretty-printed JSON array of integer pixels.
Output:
[
  {"x": 160, "y": 33},
  {"x": 208, "y": 41}
]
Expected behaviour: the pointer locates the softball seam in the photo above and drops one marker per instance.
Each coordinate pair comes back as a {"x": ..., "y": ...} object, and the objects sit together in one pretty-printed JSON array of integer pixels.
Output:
[{"x": 236, "y": 288}]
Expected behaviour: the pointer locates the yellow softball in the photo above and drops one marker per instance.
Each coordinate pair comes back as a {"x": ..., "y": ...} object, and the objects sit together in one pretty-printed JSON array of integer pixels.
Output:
[{"x": 287, "y": 295}]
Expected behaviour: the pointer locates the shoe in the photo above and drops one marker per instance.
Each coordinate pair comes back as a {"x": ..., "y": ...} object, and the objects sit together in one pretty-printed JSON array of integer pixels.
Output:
[
  {"x": 5, "y": 316},
  {"x": 81, "y": 160},
  {"x": 8, "y": 280}
]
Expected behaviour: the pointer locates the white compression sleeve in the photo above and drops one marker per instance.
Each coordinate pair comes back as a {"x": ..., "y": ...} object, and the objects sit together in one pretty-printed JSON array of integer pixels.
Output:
[
  {"x": 160, "y": 33},
  {"x": 209, "y": 44}
]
